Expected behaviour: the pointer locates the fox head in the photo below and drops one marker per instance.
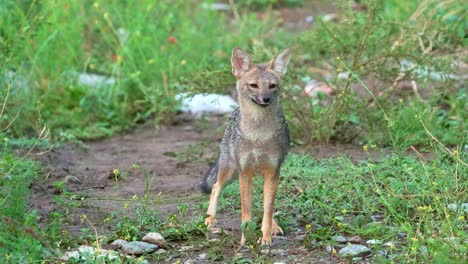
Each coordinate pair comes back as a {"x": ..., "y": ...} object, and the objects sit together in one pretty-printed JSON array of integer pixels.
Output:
[{"x": 258, "y": 83}]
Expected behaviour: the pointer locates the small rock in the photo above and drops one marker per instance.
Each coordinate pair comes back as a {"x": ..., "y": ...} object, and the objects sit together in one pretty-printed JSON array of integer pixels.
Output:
[
  {"x": 155, "y": 238},
  {"x": 454, "y": 207},
  {"x": 354, "y": 251},
  {"x": 72, "y": 179},
  {"x": 309, "y": 19},
  {"x": 190, "y": 261},
  {"x": 378, "y": 217},
  {"x": 298, "y": 231},
  {"x": 424, "y": 250},
  {"x": 373, "y": 242},
  {"x": 160, "y": 251},
  {"x": 216, "y": 230},
  {"x": 119, "y": 243},
  {"x": 456, "y": 240},
  {"x": 84, "y": 251},
  {"x": 216, "y": 6},
  {"x": 279, "y": 241},
  {"x": 138, "y": 248},
  {"x": 355, "y": 240},
  {"x": 70, "y": 254},
  {"x": 330, "y": 249},
  {"x": 202, "y": 256},
  {"x": 301, "y": 237},
  {"x": 95, "y": 80},
  {"x": 200, "y": 104},
  {"x": 402, "y": 235},
  {"x": 340, "y": 239},
  {"x": 389, "y": 244},
  {"x": 329, "y": 17},
  {"x": 274, "y": 252},
  {"x": 186, "y": 248}
]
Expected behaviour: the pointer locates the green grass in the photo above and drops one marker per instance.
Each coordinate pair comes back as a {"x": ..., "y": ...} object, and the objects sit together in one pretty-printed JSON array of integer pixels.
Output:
[
  {"x": 155, "y": 49},
  {"x": 149, "y": 48},
  {"x": 340, "y": 197},
  {"x": 21, "y": 240}
]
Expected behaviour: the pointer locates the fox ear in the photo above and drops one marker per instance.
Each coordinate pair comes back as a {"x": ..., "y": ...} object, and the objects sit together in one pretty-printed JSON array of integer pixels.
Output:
[
  {"x": 280, "y": 62},
  {"x": 241, "y": 62}
]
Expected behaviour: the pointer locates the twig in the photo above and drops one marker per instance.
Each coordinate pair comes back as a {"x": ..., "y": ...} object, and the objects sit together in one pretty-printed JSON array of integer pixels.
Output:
[
  {"x": 166, "y": 88},
  {"x": 234, "y": 9},
  {"x": 440, "y": 143},
  {"x": 5, "y": 101}
]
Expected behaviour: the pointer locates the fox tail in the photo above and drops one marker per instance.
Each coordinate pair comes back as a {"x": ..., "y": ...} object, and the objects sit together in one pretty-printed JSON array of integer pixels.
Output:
[{"x": 210, "y": 177}]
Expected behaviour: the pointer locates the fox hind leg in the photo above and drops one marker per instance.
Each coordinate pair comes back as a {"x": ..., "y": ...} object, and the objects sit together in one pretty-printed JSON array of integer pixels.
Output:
[{"x": 225, "y": 173}]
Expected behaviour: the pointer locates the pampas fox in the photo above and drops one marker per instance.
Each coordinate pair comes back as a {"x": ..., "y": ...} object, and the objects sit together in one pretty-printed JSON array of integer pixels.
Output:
[{"x": 256, "y": 140}]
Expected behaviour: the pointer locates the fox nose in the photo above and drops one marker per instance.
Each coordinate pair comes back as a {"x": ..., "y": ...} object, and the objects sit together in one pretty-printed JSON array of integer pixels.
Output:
[{"x": 266, "y": 100}]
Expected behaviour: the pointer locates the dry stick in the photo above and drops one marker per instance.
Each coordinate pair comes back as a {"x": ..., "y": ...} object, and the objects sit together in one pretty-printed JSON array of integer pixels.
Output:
[
  {"x": 9, "y": 124},
  {"x": 166, "y": 88},
  {"x": 440, "y": 143},
  {"x": 5, "y": 101},
  {"x": 417, "y": 152},
  {"x": 98, "y": 245},
  {"x": 234, "y": 9},
  {"x": 40, "y": 136}
]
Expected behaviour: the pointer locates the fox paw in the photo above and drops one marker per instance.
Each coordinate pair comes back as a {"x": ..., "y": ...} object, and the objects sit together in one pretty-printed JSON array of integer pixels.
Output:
[
  {"x": 265, "y": 241},
  {"x": 210, "y": 222},
  {"x": 276, "y": 229}
]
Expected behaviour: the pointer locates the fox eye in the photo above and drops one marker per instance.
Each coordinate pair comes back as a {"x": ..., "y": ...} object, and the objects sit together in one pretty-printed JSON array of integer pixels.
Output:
[
  {"x": 272, "y": 86},
  {"x": 253, "y": 85}
]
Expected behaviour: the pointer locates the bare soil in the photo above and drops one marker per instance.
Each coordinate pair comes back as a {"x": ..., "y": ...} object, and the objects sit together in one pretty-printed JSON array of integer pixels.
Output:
[{"x": 87, "y": 176}]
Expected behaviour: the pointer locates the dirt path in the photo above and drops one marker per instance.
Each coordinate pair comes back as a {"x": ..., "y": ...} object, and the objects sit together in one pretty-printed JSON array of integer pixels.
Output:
[{"x": 176, "y": 155}]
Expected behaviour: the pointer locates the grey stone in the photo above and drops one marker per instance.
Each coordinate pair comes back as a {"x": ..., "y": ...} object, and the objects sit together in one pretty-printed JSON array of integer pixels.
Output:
[
  {"x": 378, "y": 217},
  {"x": 274, "y": 252},
  {"x": 454, "y": 207},
  {"x": 87, "y": 251},
  {"x": 278, "y": 241},
  {"x": 340, "y": 239},
  {"x": 186, "y": 248},
  {"x": 155, "y": 238},
  {"x": 402, "y": 235},
  {"x": 329, "y": 249},
  {"x": 72, "y": 179},
  {"x": 355, "y": 240},
  {"x": 202, "y": 256},
  {"x": 354, "y": 251},
  {"x": 71, "y": 254},
  {"x": 216, "y": 6},
  {"x": 389, "y": 244},
  {"x": 138, "y": 248},
  {"x": 160, "y": 251},
  {"x": 95, "y": 80},
  {"x": 373, "y": 242},
  {"x": 453, "y": 240},
  {"x": 424, "y": 250},
  {"x": 301, "y": 237},
  {"x": 119, "y": 243}
]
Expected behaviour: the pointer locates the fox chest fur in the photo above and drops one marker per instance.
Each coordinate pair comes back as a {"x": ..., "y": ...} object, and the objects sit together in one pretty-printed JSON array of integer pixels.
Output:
[{"x": 259, "y": 138}]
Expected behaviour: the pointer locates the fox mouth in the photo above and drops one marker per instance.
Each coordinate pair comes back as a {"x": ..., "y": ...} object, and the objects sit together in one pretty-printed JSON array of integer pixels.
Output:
[{"x": 260, "y": 104}]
